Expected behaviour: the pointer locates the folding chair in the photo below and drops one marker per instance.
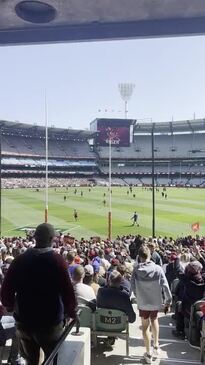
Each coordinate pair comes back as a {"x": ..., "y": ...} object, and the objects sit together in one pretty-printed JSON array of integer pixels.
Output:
[{"x": 112, "y": 323}]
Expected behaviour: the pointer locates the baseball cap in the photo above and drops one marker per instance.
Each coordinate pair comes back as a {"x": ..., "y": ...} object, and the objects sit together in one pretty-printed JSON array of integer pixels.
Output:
[{"x": 89, "y": 270}]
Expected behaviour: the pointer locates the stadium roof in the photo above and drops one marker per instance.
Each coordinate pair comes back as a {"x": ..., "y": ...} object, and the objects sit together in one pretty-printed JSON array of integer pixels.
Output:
[
  {"x": 37, "y": 21},
  {"x": 185, "y": 126},
  {"x": 17, "y": 128}
]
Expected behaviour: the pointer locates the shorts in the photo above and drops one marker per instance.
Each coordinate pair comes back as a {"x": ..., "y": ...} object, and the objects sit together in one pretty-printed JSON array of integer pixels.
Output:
[{"x": 148, "y": 314}]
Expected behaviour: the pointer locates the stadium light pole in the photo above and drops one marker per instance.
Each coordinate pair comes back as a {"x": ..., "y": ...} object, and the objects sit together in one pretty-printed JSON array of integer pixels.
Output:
[
  {"x": 126, "y": 91},
  {"x": 153, "y": 184},
  {"x": 46, "y": 153},
  {"x": 110, "y": 190}
]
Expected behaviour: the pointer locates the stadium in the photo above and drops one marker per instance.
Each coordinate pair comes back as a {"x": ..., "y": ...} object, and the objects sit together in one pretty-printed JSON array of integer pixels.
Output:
[
  {"x": 80, "y": 159},
  {"x": 77, "y": 292}
]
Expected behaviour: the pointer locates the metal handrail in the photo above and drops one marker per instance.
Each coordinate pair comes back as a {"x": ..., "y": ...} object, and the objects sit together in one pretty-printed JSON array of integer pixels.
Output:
[{"x": 66, "y": 331}]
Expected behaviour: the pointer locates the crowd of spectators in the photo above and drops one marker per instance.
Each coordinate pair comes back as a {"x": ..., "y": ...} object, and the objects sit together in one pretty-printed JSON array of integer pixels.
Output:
[
  {"x": 101, "y": 270},
  {"x": 14, "y": 183}
]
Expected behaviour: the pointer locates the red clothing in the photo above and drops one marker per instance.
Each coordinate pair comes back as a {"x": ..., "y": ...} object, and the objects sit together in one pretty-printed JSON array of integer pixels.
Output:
[
  {"x": 38, "y": 288},
  {"x": 148, "y": 314}
]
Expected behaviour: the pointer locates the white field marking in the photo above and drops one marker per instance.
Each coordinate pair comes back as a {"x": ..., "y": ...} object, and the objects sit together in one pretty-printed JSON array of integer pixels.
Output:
[
  {"x": 24, "y": 226},
  {"x": 70, "y": 229}
]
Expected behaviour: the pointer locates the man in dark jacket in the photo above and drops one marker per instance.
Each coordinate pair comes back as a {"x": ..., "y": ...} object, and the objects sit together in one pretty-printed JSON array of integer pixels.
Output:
[
  {"x": 173, "y": 269},
  {"x": 114, "y": 298},
  {"x": 38, "y": 289}
]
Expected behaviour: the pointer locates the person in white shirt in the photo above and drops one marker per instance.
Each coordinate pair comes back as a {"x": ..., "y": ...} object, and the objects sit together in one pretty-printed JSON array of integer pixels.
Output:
[{"x": 84, "y": 293}]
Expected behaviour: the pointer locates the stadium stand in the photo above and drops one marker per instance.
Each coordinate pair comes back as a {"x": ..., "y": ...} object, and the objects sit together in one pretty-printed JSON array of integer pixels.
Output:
[{"x": 179, "y": 154}]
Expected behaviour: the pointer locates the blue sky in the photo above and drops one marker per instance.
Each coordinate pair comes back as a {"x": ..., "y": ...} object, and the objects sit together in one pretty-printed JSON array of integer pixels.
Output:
[{"x": 81, "y": 78}]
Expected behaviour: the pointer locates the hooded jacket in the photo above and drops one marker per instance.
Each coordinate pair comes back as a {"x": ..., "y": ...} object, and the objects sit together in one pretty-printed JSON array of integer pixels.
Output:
[{"x": 147, "y": 282}]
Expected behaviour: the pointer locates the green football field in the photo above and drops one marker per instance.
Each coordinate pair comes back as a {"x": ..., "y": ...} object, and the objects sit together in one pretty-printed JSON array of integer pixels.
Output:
[{"x": 25, "y": 208}]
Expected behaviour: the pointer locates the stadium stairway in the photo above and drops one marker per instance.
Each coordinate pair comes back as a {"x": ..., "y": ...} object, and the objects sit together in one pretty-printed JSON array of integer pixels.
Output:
[{"x": 173, "y": 350}]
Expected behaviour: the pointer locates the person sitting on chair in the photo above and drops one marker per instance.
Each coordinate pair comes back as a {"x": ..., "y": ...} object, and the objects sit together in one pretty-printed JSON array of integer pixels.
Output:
[
  {"x": 113, "y": 297},
  {"x": 191, "y": 288},
  {"x": 84, "y": 293}
]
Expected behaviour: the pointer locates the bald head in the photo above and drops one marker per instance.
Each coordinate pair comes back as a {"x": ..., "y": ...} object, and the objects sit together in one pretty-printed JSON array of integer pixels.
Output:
[{"x": 44, "y": 235}]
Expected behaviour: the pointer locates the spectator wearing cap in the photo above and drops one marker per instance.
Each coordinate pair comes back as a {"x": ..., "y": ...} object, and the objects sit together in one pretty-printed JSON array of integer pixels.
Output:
[
  {"x": 84, "y": 293},
  {"x": 88, "y": 278},
  {"x": 37, "y": 288},
  {"x": 113, "y": 297}
]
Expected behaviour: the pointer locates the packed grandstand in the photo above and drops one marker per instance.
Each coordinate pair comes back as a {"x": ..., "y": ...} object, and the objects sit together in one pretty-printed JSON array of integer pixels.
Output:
[{"x": 79, "y": 157}]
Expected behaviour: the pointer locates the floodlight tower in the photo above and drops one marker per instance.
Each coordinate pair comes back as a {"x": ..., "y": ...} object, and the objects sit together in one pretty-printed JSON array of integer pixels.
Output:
[{"x": 126, "y": 90}]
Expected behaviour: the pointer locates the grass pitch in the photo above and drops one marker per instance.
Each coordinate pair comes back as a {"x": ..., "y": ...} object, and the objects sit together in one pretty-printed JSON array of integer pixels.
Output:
[{"x": 174, "y": 215}]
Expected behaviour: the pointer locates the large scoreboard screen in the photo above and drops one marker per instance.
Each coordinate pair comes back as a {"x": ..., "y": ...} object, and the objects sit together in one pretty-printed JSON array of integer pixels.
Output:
[{"x": 118, "y": 130}]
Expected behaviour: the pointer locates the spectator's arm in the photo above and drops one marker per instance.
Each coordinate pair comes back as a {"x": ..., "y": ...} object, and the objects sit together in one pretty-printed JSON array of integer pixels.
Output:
[
  {"x": 165, "y": 286},
  {"x": 132, "y": 284},
  {"x": 129, "y": 309}
]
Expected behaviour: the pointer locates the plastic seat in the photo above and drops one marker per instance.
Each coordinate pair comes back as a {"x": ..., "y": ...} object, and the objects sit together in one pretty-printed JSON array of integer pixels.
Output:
[
  {"x": 195, "y": 324},
  {"x": 202, "y": 342},
  {"x": 112, "y": 323},
  {"x": 85, "y": 316}
]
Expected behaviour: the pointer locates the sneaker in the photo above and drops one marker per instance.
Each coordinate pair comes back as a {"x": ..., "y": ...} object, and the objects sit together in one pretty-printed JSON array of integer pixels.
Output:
[
  {"x": 147, "y": 358},
  {"x": 156, "y": 352}
]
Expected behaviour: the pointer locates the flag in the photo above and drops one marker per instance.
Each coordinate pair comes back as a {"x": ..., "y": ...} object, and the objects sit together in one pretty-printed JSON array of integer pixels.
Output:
[{"x": 195, "y": 227}]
